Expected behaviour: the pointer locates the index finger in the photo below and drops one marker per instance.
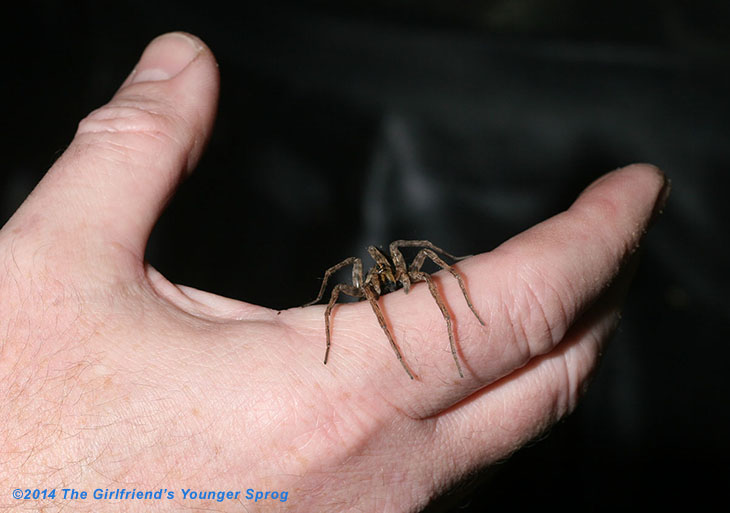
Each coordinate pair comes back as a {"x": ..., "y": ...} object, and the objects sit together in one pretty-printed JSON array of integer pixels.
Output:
[{"x": 529, "y": 291}]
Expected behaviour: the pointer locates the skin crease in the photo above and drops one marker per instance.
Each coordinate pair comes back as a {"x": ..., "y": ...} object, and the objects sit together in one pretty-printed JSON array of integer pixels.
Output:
[{"x": 112, "y": 377}]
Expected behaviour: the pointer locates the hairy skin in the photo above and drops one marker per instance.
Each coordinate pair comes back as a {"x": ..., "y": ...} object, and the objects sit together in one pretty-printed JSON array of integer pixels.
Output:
[{"x": 112, "y": 377}]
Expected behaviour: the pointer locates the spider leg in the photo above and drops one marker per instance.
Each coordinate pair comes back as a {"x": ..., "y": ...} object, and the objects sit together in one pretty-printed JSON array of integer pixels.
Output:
[
  {"x": 419, "y": 244},
  {"x": 401, "y": 271},
  {"x": 417, "y": 276},
  {"x": 329, "y": 272},
  {"x": 418, "y": 262},
  {"x": 373, "y": 300},
  {"x": 346, "y": 289}
]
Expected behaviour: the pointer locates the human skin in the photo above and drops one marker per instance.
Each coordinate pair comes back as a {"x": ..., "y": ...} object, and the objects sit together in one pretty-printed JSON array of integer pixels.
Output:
[{"x": 113, "y": 377}]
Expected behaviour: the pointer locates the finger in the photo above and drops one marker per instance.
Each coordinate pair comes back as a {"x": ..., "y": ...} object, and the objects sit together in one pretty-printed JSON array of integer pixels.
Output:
[
  {"x": 546, "y": 277},
  {"x": 103, "y": 196},
  {"x": 529, "y": 292},
  {"x": 504, "y": 416}
]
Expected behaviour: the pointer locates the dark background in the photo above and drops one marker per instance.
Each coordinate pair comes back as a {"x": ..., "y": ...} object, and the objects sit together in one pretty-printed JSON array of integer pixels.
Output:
[{"x": 459, "y": 122}]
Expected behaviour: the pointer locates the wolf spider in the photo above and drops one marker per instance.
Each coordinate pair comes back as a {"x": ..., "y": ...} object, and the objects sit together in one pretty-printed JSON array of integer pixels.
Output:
[{"x": 385, "y": 275}]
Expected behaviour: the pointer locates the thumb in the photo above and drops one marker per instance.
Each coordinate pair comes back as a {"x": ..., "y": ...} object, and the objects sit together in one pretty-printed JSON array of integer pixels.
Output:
[{"x": 104, "y": 195}]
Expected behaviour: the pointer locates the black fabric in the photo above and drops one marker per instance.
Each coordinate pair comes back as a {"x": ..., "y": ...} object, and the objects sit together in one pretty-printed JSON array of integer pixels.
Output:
[{"x": 340, "y": 129}]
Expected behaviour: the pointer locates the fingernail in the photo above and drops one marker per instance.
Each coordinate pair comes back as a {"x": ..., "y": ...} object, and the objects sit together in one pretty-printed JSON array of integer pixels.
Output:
[
  {"x": 165, "y": 57},
  {"x": 661, "y": 200}
]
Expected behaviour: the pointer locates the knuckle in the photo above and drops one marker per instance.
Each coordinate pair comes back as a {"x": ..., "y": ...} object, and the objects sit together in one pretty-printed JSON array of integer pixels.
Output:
[
  {"x": 124, "y": 122},
  {"x": 573, "y": 371},
  {"x": 537, "y": 313},
  {"x": 127, "y": 116}
]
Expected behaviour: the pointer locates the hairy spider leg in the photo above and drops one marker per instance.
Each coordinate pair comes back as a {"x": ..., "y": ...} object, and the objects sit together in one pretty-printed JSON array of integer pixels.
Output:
[
  {"x": 346, "y": 289},
  {"x": 401, "y": 271},
  {"x": 356, "y": 262},
  {"x": 378, "y": 256},
  {"x": 382, "y": 273},
  {"x": 372, "y": 279},
  {"x": 418, "y": 276},
  {"x": 418, "y": 244},
  {"x": 418, "y": 262},
  {"x": 400, "y": 263},
  {"x": 373, "y": 300}
]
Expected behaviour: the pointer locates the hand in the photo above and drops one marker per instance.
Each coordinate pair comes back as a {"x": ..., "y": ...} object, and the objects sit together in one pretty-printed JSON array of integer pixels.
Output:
[{"x": 112, "y": 377}]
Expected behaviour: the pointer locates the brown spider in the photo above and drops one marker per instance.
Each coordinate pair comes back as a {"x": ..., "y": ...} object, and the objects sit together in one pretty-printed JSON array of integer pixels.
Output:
[{"x": 386, "y": 274}]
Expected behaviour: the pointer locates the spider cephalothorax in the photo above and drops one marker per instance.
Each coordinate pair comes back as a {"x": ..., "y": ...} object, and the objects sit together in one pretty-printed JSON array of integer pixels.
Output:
[{"x": 385, "y": 276}]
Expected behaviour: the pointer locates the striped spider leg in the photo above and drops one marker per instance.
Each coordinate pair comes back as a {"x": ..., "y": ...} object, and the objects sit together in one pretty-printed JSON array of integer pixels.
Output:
[
  {"x": 385, "y": 275},
  {"x": 369, "y": 289},
  {"x": 414, "y": 274}
]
